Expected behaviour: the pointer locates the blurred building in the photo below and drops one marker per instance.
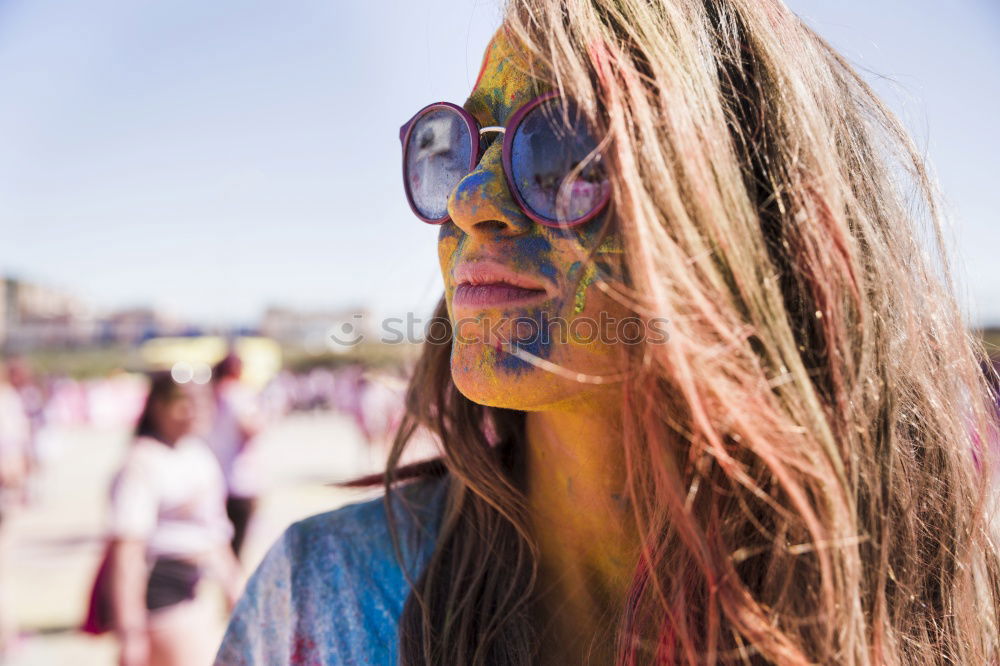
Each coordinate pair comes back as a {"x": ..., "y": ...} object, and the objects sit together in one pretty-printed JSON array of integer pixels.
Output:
[
  {"x": 316, "y": 330},
  {"x": 134, "y": 325},
  {"x": 34, "y": 315},
  {"x": 38, "y": 316}
]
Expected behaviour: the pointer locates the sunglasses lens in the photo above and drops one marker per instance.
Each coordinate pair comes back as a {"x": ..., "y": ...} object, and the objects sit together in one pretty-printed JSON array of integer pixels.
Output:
[
  {"x": 554, "y": 164},
  {"x": 438, "y": 155}
]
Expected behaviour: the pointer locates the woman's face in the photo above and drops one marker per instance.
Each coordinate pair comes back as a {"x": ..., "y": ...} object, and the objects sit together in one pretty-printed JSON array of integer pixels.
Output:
[
  {"x": 174, "y": 417},
  {"x": 557, "y": 311}
]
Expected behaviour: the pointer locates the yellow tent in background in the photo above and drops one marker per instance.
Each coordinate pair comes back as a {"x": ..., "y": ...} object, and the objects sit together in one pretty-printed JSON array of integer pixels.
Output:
[{"x": 261, "y": 356}]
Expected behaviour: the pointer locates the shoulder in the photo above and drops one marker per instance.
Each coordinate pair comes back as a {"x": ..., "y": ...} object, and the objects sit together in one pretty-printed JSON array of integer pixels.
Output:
[
  {"x": 362, "y": 530},
  {"x": 332, "y": 588},
  {"x": 151, "y": 458},
  {"x": 142, "y": 457}
]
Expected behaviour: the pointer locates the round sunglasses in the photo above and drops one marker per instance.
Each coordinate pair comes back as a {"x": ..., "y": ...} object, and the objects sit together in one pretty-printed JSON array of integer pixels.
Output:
[{"x": 553, "y": 169}]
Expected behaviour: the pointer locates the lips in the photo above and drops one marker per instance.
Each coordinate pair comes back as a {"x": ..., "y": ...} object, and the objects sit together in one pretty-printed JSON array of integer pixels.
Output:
[{"x": 486, "y": 283}]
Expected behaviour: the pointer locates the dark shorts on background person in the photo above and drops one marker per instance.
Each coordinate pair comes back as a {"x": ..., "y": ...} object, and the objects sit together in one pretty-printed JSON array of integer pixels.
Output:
[
  {"x": 239, "y": 510},
  {"x": 171, "y": 581}
]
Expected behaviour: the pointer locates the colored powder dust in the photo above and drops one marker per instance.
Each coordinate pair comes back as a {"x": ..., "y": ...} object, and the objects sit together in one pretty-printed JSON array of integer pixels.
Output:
[
  {"x": 610, "y": 245},
  {"x": 580, "y": 300}
]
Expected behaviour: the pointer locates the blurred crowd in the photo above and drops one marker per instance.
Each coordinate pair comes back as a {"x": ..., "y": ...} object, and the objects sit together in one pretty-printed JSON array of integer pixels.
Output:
[{"x": 186, "y": 489}]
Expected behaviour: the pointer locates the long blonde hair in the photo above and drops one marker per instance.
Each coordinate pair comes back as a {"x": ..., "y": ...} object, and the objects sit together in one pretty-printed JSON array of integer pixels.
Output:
[{"x": 807, "y": 456}]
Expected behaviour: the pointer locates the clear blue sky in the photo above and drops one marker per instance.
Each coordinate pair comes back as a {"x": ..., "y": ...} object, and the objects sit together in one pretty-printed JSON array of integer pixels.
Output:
[{"x": 215, "y": 157}]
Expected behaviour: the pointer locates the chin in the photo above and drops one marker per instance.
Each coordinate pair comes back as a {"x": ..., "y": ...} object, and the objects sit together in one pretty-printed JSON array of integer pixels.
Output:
[{"x": 494, "y": 378}]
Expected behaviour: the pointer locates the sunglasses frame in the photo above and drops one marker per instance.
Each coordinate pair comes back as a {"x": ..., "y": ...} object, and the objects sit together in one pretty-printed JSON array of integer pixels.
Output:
[{"x": 475, "y": 133}]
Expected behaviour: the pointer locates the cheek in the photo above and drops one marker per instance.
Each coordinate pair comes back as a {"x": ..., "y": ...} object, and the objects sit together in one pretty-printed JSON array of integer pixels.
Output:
[
  {"x": 588, "y": 315},
  {"x": 535, "y": 254},
  {"x": 584, "y": 270},
  {"x": 589, "y": 275},
  {"x": 448, "y": 240}
]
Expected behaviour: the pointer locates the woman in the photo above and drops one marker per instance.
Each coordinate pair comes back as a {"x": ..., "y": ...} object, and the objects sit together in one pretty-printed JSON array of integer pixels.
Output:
[
  {"x": 169, "y": 527},
  {"x": 789, "y": 475},
  {"x": 235, "y": 422}
]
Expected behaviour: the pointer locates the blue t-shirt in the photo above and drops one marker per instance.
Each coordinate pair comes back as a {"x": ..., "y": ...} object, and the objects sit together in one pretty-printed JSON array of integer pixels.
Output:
[{"x": 331, "y": 590}]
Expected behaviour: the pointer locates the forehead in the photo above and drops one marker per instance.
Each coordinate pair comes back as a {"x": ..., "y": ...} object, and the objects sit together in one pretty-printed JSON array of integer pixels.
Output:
[{"x": 504, "y": 84}]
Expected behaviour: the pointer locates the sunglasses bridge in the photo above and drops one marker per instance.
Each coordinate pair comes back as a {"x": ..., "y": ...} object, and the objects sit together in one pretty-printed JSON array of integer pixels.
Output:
[{"x": 492, "y": 128}]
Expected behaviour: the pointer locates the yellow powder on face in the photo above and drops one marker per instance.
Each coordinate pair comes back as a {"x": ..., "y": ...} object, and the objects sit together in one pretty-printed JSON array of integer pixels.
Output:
[
  {"x": 580, "y": 299},
  {"x": 610, "y": 245}
]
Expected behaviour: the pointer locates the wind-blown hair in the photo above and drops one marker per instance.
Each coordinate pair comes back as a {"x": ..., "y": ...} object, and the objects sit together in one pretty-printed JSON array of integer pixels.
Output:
[{"x": 805, "y": 459}]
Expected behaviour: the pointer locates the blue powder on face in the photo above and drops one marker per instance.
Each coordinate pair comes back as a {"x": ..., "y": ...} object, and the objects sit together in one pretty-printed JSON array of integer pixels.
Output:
[
  {"x": 533, "y": 247},
  {"x": 531, "y": 254},
  {"x": 473, "y": 182},
  {"x": 548, "y": 270},
  {"x": 533, "y": 336}
]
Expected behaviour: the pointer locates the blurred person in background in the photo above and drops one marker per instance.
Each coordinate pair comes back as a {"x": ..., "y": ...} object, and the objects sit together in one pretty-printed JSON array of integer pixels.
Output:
[
  {"x": 383, "y": 406},
  {"x": 349, "y": 397},
  {"x": 235, "y": 421},
  {"x": 29, "y": 388},
  {"x": 15, "y": 456},
  {"x": 169, "y": 531},
  {"x": 787, "y": 477}
]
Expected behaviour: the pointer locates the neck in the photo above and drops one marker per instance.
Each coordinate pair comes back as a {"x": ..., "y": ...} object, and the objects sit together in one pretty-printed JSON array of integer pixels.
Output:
[
  {"x": 575, "y": 481},
  {"x": 168, "y": 438}
]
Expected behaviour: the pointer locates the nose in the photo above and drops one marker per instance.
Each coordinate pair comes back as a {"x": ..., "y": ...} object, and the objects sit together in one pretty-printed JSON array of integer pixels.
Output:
[{"x": 481, "y": 204}]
